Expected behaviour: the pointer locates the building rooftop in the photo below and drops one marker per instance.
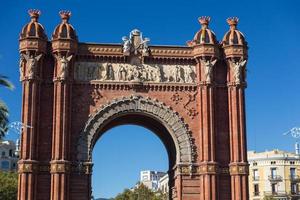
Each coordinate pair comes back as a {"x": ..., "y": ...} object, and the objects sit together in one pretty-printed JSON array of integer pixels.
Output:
[{"x": 272, "y": 154}]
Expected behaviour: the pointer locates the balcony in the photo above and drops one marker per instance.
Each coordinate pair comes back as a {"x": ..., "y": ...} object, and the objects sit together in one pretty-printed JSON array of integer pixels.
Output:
[
  {"x": 255, "y": 178},
  {"x": 295, "y": 178},
  {"x": 276, "y": 194},
  {"x": 255, "y": 193},
  {"x": 275, "y": 178}
]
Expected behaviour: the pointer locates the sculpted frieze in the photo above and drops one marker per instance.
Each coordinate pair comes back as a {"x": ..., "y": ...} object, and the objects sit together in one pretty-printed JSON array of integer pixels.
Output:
[{"x": 119, "y": 72}]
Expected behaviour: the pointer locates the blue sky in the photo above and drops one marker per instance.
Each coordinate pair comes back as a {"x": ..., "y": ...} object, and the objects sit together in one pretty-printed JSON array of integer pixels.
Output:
[{"x": 272, "y": 29}]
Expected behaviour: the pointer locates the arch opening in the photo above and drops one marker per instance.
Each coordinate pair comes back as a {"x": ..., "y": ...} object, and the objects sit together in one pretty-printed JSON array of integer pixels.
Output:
[
  {"x": 148, "y": 113},
  {"x": 125, "y": 154}
]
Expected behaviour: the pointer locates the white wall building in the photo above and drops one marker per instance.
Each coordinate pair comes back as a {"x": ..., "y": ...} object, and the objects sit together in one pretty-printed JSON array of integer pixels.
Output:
[
  {"x": 151, "y": 179},
  {"x": 163, "y": 184},
  {"x": 9, "y": 154}
]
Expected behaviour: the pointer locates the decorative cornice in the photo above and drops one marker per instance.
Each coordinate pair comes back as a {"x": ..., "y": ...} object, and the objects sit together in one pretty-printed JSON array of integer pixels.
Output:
[
  {"x": 140, "y": 86},
  {"x": 33, "y": 44},
  {"x": 116, "y": 50}
]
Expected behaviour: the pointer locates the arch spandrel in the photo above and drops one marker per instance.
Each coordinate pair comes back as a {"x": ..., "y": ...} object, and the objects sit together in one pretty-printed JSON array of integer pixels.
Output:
[{"x": 178, "y": 130}]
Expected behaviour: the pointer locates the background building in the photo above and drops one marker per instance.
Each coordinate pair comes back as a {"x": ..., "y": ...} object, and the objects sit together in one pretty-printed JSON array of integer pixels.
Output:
[
  {"x": 163, "y": 184},
  {"x": 274, "y": 173},
  {"x": 151, "y": 179},
  {"x": 9, "y": 155}
]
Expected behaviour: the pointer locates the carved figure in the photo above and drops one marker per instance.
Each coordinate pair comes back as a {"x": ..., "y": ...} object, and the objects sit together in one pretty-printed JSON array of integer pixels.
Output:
[
  {"x": 130, "y": 75},
  {"x": 21, "y": 69},
  {"x": 122, "y": 73},
  {"x": 126, "y": 45},
  {"x": 188, "y": 75},
  {"x": 157, "y": 74},
  {"x": 135, "y": 44},
  {"x": 208, "y": 69},
  {"x": 178, "y": 74},
  {"x": 31, "y": 64},
  {"x": 238, "y": 69},
  {"x": 145, "y": 47},
  {"x": 63, "y": 66},
  {"x": 109, "y": 72}
]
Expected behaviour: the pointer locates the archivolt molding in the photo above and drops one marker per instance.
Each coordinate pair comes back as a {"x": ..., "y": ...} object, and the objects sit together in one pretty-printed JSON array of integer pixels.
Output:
[{"x": 185, "y": 148}]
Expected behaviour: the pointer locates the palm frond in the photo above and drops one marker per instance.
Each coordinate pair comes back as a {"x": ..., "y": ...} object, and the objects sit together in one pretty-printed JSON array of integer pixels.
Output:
[{"x": 4, "y": 82}]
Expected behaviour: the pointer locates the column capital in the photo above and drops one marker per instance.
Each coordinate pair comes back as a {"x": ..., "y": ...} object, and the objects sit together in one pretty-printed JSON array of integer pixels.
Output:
[
  {"x": 239, "y": 168},
  {"x": 28, "y": 166},
  {"x": 208, "y": 168},
  {"x": 59, "y": 166}
]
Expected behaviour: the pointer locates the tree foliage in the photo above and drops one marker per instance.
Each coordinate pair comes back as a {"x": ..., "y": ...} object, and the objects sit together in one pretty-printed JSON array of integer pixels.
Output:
[
  {"x": 3, "y": 108},
  {"x": 141, "y": 193},
  {"x": 8, "y": 185}
]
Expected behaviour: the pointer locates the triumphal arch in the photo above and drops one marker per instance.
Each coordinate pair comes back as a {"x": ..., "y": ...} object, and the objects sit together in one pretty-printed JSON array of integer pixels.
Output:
[{"x": 191, "y": 97}]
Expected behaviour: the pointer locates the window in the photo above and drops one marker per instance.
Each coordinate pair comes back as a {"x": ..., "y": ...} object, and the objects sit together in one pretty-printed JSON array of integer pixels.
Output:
[
  {"x": 256, "y": 190},
  {"x": 5, "y": 165},
  {"x": 273, "y": 162},
  {"x": 10, "y": 153},
  {"x": 274, "y": 189},
  {"x": 145, "y": 178},
  {"x": 3, "y": 153},
  {"x": 293, "y": 173},
  {"x": 294, "y": 188},
  {"x": 273, "y": 173},
  {"x": 255, "y": 175},
  {"x": 292, "y": 162}
]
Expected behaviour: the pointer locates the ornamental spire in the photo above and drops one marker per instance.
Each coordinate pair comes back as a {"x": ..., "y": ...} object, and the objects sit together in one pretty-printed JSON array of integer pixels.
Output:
[
  {"x": 232, "y": 21},
  {"x": 34, "y": 14},
  {"x": 65, "y": 15}
]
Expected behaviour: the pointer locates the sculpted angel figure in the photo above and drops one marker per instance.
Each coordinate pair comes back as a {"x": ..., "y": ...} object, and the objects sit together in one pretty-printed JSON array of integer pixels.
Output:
[
  {"x": 63, "y": 66},
  {"x": 31, "y": 64},
  {"x": 145, "y": 49},
  {"x": 238, "y": 70},
  {"x": 21, "y": 69},
  {"x": 208, "y": 69},
  {"x": 126, "y": 45}
]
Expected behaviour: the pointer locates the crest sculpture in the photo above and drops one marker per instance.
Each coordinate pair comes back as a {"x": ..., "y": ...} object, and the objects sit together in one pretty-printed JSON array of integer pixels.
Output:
[{"x": 191, "y": 97}]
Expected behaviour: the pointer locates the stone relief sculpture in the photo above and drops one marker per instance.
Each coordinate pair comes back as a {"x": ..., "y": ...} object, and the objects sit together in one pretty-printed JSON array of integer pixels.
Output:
[
  {"x": 122, "y": 73},
  {"x": 189, "y": 75},
  {"x": 126, "y": 45},
  {"x": 208, "y": 69},
  {"x": 21, "y": 69},
  {"x": 31, "y": 64},
  {"x": 135, "y": 44},
  {"x": 63, "y": 64},
  {"x": 238, "y": 70},
  {"x": 86, "y": 71}
]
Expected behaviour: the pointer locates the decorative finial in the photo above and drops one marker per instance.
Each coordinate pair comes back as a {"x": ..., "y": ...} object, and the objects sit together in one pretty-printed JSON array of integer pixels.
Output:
[
  {"x": 232, "y": 21},
  {"x": 34, "y": 14},
  {"x": 204, "y": 20},
  {"x": 65, "y": 15}
]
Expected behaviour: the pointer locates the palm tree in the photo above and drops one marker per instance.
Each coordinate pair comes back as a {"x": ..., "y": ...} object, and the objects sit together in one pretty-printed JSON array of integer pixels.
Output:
[{"x": 3, "y": 108}]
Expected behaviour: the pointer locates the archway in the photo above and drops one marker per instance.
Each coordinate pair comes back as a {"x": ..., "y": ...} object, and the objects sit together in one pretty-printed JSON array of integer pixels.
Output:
[
  {"x": 125, "y": 155},
  {"x": 151, "y": 114}
]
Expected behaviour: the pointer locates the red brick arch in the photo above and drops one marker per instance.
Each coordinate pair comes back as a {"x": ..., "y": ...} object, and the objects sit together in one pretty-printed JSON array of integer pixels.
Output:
[
  {"x": 178, "y": 130},
  {"x": 74, "y": 91}
]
